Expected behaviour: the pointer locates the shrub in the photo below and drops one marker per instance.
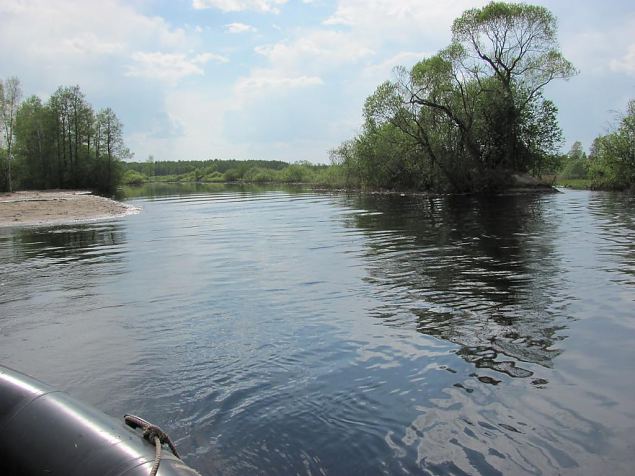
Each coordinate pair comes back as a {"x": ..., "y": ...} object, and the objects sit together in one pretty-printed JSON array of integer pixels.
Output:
[{"x": 132, "y": 177}]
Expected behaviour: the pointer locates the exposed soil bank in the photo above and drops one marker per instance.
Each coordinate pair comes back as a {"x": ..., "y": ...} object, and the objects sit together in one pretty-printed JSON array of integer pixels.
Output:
[{"x": 33, "y": 208}]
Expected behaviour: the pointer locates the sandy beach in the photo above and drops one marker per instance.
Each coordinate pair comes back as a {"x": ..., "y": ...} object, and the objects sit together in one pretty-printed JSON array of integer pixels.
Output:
[{"x": 32, "y": 208}]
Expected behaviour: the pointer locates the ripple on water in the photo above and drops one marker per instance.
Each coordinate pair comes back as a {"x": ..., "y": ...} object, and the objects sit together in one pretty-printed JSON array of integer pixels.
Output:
[{"x": 282, "y": 331}]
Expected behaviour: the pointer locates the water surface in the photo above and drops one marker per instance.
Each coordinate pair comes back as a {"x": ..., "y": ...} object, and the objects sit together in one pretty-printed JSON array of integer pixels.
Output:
[{"x": 287, "y": 331}]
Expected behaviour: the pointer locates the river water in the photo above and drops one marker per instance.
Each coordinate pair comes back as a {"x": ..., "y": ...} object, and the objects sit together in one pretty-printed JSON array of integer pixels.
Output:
[{"x": 282, "y": 331}]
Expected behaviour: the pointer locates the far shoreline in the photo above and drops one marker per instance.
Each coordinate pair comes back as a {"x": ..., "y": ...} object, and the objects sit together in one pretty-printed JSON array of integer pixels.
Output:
[
  {"x": 57, "y": 207},
  {"x": 519, "y": 184}
]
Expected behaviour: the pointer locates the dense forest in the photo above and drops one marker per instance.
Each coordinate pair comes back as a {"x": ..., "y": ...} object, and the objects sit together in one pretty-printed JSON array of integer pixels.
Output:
[{"x": 60, "y": 143}]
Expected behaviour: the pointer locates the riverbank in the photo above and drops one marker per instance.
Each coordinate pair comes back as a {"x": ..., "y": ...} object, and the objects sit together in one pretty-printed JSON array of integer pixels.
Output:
[
  {"x": 575, "y": 184},
  {"x": 33, "y": 208},
  {"x": 518, "y": 183}
]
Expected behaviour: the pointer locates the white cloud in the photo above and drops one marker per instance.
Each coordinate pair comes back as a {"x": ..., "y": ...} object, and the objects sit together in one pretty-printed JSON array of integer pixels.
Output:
[
  {"x": 203, "y": 58},
  {"x": 53, "y": 25},
  {"x": 169, "y": 67},
  {"x": 89, "y": 44},
  {"x": 625, "y": 64},
  {"x": 267, "y": 79},
  {"x": 321, "y": 48},
  {"x": 190, "y": 128},
  {"x": 264, "y": 6},
  {"x": 379, "y": 36},
  {"x": 348, "y": 62},
  {"x": 399, "y": 17},
  {"x": 594, "y": 50},
  {"x": 239, "y": 28},
  {"x": 165, "y": 126},
  {"x": 86, "y": 43},
  {"x": 299, "y": 63},
  {"x": 382, "y": 71}
]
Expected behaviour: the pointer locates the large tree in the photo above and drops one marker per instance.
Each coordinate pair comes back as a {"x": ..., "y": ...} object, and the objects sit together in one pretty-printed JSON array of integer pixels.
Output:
[
  {"x": 10, "y": 96},
  {"x": 110, "y": 149},
  {"x": 74, "y": 131},
  {"x": 516, "y": 45},
  {"x": 476, "y": 109},
  {"x": 34, "y": 134}
]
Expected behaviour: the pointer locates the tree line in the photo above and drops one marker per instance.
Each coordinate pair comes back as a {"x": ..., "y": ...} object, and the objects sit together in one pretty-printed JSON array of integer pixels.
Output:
[
  {"x": 221, "y": 171},
  {"x": 60, "y": 143},
  {"x": 609, "y": 163},
  {"x": 163, "y": 168}
]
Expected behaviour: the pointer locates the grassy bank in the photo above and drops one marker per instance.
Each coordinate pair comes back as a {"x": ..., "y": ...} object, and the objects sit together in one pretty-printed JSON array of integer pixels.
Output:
[
  {"x": 332, "y": 176},
  {"x": 576, "y": 184}
]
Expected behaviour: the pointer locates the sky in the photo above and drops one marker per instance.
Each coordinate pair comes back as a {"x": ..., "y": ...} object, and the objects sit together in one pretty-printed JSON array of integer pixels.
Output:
[{"x": 279, "y": 79}]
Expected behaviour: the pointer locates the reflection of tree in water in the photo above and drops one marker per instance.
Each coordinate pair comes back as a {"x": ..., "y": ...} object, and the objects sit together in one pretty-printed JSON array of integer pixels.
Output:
[
  {"x": 39, "y": 259},
  {"x": 158, "y": 190},
  {"x": 474, "y": 271},
  {"x": 616, "y": 220},
  {"x": 71, "y": 242},
  {"x": 154, "y": 190}
]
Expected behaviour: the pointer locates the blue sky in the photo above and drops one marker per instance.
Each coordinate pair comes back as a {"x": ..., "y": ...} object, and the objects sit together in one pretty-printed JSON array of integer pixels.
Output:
[{"x": 278, "y": 79}]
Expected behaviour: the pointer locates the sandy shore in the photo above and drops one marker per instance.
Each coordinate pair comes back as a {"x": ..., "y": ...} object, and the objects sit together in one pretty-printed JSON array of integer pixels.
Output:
[{"x": 33, "y": 208}]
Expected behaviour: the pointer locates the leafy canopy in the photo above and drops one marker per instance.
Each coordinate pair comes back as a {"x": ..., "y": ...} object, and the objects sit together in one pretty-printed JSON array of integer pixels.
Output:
[{"x": 475, "y": 110}]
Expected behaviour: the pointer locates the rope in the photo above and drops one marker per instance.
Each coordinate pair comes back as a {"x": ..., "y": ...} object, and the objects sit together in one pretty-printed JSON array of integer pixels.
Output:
[
  {"x": 157, "y": 456},
  {"x": 153, "y": 434}
]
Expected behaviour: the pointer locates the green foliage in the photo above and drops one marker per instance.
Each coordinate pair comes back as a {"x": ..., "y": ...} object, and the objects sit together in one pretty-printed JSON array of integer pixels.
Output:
[
  {"x": 389, "y": 158},
  {"x": 574, "y": 169},
  {"x": 515, "y": 42},
  {"x": 232, "y": 175},
  {"x": 4, "y": 169},
  {"x": 214, "y": 177},
  {"x": 296, "y": 173},
  {"x": 570, "y": 167},
  {"x": 261, "y": 175},
  {"x": 469, "y": 117},
  {"x": 35, "y": 144},
  {"x": 206, "y": 168},
  {"x": 63, "y": 143},
  {"x": 612, "y": 165},
  {"x": 332, "y": 176},
  {"x": 576, "y": 184},
  {"x": 132, "y": 177},
  {"x": 10, "y": 96},
  {"x": 248, "y": 171}
]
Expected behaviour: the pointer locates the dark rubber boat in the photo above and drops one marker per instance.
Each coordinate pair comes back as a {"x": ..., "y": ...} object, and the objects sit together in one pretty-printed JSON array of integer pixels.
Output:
[{"x": 45, "y": 431}]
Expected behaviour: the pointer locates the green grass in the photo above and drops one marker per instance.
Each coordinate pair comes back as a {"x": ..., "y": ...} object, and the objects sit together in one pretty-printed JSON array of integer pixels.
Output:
[{"x": 576, "y": 184}]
